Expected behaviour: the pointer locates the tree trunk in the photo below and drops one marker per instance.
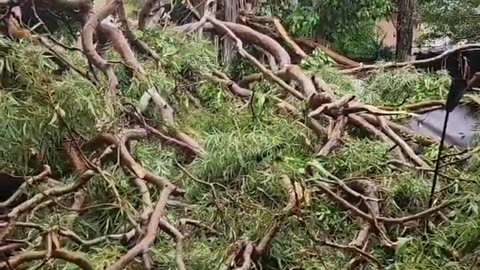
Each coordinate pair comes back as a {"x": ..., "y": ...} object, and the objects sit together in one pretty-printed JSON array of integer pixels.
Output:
[{"x": 405, "y": 26}]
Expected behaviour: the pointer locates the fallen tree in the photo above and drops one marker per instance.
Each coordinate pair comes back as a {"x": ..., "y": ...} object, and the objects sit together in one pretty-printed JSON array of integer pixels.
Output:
[{"x": 116, "y": 186}]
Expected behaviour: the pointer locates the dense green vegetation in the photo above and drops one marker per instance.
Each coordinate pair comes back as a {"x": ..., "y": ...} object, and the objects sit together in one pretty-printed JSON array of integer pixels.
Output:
[
  {"x": 239, "y": 190},
  {"x": 236, "y": 189}
]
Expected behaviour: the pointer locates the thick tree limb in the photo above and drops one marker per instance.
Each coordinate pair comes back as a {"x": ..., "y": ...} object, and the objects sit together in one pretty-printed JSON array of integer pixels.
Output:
[
  {"x": 150, "y": 233},
  {"x": 246, "y": 33},
  {"x": 94, "y": 19}
]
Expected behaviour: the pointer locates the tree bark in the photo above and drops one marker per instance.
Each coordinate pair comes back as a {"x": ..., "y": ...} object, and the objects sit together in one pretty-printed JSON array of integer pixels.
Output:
[{"x": 405, "y": 26}]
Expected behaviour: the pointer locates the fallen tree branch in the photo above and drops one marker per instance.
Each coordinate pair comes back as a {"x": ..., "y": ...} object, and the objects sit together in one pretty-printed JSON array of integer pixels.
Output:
[
  {"x": 175, "y": 234},
  {"x": 128, "y": 161},
  {"x": 283, "y": 33},
  {"x": 357, "y": 212},
  {"x": 401, "y": 143},
  {"x": 415, "y": 62},
  {"x": 69, "y": 256},
  {"x": 258, "y": 24},
  {"x": 94, "y": 19},
  {"x": 28, "y": 182},
  {"x": 246, "y": 33},
  {"x": 334, "y": 137},
  {"x": 150, "y": 233}
]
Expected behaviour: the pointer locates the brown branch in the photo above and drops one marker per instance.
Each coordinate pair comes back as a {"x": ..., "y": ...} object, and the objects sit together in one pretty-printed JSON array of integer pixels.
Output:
[
  {"x": 120, "y": 44},
  {"x": 183, "y": 141},
  {"x": 362, "y": 123},
  {"x": 421, "y": 139},
  {"x": 246, "y": 33},
  {"x": 258, "y": 24},
  {"x": 249, "y": 79},
  {"x": 294, "y": 72},
  {"x": 401, "y": 143},
  {"x": 235, "y": 88},
  {"x": 408, "y": 63},
  {"x": 28, "y": 182},
  {"x": 416, "y": 106},
  {"x": 289, "y": 72},
  {"x": 52, "y": 192},
  {"x": 146, "y": 200},
  {"x": 144, "y": 13},
  {"x": 7, "y": 248},
  {"x": 247, "y": 257},
  {"x": 357, "y": 212},
  {"x": 175, "y": 234},
  {"x": 92, "y": 242},
  {"x": 362, "y": 236},
  {"x": 334, "y": 137},
  {"x": 76, "y": 258},
  {"x": 206, "y": 12},
  {"x": 226, "y": 28},
  {"x": 287, "y": 38},
  {"x": 40, "y": 197},
  {"x": 283, "y": 105},
  {"x": 360, "y": 108},
  {"x": 74, "y": 156},
  {"x": 150, "y": 232},
  {"x": 136, "y": 43},
  {"x": 127, "y": 160},
  {"x": 334, "y": 105},
  {"x": 186, "y": 221},
  {"x": 94, "y": 19}
]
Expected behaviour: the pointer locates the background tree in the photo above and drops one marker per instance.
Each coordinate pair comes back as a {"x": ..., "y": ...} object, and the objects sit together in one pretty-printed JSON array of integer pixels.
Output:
[
  {"x": 349, "y": 26},
  {"x": 405, "y": 25},
  {"x": 456, "y": 19}
]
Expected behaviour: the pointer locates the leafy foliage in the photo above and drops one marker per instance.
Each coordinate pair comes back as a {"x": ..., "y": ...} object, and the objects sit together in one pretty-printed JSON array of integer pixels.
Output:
[
  {"x": 236, "y": 189},
  {"x": 406, "y": 86},
  {"x": 34, "y": 103},
  {"x": 349, "y": 25},
  {"x": 457, "y": 19}
]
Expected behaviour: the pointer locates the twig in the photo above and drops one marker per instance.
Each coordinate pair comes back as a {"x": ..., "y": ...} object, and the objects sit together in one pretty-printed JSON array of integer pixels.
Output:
[
  {"x": 52, "y": 192},
  {"x": 355, "y": 250},
  {"x": 92, "y": 242},
  {"x": 338, "y": 104},
  {"x": 402, "y": 220},
  {"x": 359, "y": 121},
  {"x": 186, "y": 221}
]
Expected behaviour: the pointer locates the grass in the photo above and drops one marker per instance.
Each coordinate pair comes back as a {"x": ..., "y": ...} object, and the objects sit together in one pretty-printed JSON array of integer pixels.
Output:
[{"x": 236, "y": 189}]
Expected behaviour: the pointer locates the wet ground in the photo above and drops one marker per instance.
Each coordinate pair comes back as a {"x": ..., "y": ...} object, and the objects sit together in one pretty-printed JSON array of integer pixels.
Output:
[{"x": 463, "y": 124}]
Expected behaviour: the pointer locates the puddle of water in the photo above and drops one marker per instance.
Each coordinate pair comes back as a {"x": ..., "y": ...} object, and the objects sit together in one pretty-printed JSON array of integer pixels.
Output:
[{"x": 461, "y": 129}]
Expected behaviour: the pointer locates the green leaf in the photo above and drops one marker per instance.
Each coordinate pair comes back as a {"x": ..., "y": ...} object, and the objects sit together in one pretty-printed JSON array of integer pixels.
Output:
[{"x": 401, "y": 241}]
